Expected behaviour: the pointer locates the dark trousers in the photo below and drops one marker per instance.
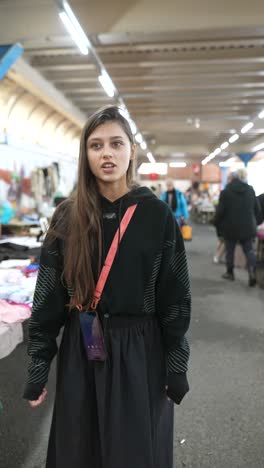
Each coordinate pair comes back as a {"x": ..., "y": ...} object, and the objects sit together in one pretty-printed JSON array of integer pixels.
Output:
[{"x": 247, "y": 246}]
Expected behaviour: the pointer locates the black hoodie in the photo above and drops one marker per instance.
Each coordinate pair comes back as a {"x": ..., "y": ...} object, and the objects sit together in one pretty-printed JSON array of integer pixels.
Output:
[
  {"x": 149, "y": 276},
  {"x": 237, "y": 211}
]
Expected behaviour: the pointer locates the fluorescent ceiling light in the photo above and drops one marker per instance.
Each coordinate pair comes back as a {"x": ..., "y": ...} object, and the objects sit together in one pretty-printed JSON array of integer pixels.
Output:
[
  {"x": 124, "y": 112},
  {"x": 205, "y": 160},
  {"x": 217, "y": 151},
  {"x": 224, "y": 145},
  {"x": 143, "y": 145},
  {"x": 258, "y": 147},
  {"x": 76, "y": 24},
  {"x": 261, "y": 115},
  {"x": 178, "y": 164},
  {"x": 232, "y": 162},
  {"x": 177, "y": 155},
  {"x": 208, "y": 158},
  {"x": 139, "y": 138},
  {"x": 229, "y": 162},
  {"x": 197, "y": 123},
  {"x": 233, "y": 138},
  {"x": 150, "y": 157},
  {"x": 107, "y": 84},
  {"x": 133, "y": 127},
  {"x": 153, "y": 168},
  {"x": 247, "y": 127},
  {"x": 73, "y": 32}
]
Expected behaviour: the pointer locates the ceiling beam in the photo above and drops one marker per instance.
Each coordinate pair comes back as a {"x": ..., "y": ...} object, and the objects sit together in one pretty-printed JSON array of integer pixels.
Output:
[
  {"x": 187, "y": 35},
  {"x": 30, "y": 79},
  {"x": 166, "y": 89},
  {"x": 68, "y": 82},
  {"x": 163, "y": 46},
  {"x": 169, "y": 74},
  {"x": 211, "y": 57}
]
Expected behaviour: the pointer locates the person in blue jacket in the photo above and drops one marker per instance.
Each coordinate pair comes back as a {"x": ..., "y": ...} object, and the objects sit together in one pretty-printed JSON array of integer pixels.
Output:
[{"x": 176, "y": 201}]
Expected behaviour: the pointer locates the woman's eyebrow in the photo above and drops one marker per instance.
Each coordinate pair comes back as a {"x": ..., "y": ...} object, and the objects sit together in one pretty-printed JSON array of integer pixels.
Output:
[
  {"x": 94, "y": 139},
  {"x": 117, "y": 136},
  {"x": 100, "y": 138}
]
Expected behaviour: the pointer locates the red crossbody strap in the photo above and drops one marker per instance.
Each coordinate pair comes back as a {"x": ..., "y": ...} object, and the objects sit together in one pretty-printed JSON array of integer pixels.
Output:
[{"x": 111, "y": 255}]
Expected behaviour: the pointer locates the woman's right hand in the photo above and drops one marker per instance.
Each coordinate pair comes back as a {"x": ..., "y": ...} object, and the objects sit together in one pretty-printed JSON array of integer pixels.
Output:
[{"x": 40, "y": 399}]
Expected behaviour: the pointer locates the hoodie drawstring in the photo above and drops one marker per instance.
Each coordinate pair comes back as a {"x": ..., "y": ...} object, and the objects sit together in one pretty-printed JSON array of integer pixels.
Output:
[{"x": 119, "y": 221}]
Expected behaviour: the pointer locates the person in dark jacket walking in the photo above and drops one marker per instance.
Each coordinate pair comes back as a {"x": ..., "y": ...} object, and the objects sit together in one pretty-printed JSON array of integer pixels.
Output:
[
  {"x": 261, "y": 203},
  {"x": 117, "y": 412},
  {"x": 236, "y": 213}
]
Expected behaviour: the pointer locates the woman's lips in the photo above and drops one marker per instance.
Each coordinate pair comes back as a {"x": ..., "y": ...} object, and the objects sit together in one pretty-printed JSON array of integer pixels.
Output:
[{"x": 108, "y": 167}]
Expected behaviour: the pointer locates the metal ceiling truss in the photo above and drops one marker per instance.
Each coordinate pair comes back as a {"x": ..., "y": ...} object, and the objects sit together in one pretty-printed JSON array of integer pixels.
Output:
[{"x": 168, "y": 80}]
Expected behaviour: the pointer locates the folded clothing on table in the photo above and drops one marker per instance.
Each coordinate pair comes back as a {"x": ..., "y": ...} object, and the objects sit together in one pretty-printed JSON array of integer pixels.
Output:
[{"x": 13, "y": 312}]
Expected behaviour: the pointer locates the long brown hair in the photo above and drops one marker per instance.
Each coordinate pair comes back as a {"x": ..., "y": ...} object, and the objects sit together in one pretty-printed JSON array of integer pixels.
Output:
[{"x": 81, "y": 227}]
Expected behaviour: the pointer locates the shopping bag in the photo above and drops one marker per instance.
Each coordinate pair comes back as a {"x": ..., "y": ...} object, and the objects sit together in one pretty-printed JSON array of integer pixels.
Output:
[{"x": 186, "y": 232}]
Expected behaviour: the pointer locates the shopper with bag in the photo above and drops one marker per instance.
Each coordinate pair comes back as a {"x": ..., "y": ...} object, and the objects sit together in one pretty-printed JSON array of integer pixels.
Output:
[
  {"x": 176, "y": 201},
  {"x": 113, "y": 272}
]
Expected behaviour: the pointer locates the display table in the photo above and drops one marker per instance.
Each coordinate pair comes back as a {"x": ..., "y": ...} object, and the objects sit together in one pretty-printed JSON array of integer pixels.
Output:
[
  {"x": 29, "y": 242},
  {"x": 17, "y": 227},
  {"x": 203, "y": 213},
  {"x": 17, "y": 284},
  {"x": 206, "y": 214}
]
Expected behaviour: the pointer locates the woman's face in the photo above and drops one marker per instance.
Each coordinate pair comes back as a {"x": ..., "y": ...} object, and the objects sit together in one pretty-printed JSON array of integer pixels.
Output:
[{"x": 109, "y": 152}]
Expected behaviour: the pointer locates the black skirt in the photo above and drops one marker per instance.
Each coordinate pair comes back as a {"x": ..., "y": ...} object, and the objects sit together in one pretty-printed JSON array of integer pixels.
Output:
[{"x": 113, "y": 414}]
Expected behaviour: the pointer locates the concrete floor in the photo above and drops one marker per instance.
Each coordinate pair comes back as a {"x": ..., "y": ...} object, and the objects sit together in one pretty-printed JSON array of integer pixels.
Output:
[{"x": 220, "y": 422}]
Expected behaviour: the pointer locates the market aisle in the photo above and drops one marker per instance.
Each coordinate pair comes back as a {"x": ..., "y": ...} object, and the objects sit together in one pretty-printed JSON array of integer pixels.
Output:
[
  {"x": 23, "y": 431},
  {"x": 220, "y": 420}
]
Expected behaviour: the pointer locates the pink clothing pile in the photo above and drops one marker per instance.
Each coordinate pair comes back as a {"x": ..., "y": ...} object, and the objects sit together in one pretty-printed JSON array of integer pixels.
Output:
[{"x": 13, "y": 313}]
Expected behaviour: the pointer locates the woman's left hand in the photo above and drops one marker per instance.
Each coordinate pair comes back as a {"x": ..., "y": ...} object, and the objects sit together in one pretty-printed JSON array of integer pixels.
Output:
[{"x": 166, "y": 388}]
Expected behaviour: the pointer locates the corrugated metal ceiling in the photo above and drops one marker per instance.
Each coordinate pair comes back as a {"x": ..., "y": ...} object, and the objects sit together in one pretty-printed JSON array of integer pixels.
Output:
[{"x": 169, "y": 79}]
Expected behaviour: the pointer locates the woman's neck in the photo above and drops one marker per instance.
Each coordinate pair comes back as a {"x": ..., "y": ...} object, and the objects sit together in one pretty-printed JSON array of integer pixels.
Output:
[{"x": 112, "y": 192}]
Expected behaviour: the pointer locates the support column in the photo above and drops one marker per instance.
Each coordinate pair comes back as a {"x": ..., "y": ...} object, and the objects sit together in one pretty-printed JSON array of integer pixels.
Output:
[
  {"x": 246, "y": 157},
  {"x": 224, "y": 171}
]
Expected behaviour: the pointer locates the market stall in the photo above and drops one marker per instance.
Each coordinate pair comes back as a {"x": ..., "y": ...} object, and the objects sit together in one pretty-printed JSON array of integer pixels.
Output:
[{"x": 17, "y": 284}]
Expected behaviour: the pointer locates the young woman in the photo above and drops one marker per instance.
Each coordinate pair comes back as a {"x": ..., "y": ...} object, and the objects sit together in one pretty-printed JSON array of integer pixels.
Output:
[{"x": 116, "y": 413}]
